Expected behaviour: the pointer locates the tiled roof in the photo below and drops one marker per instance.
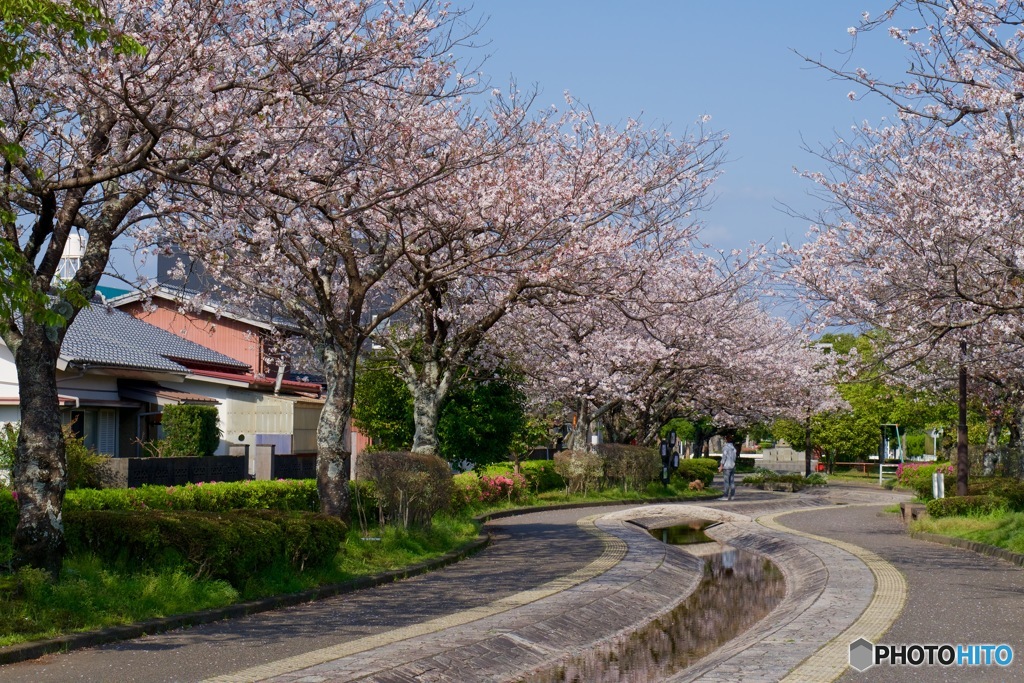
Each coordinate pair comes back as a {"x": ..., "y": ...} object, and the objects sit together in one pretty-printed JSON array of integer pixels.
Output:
[
  {"x": 102, "y": 335},
  {"x": 261, "y": 316}
]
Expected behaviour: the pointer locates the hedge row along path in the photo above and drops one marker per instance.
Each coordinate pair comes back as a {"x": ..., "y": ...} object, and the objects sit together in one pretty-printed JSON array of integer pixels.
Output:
[{"x": 557, "y": 582}]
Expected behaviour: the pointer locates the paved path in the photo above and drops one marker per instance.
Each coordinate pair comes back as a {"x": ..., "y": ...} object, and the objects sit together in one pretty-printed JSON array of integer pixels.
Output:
[
  {"x": 556, "y": 585},
  {"x": 954, "y": 595}
]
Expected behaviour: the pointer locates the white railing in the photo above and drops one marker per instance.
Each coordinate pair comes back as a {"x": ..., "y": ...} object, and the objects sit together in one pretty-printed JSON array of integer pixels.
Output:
[{"x": 882, "y": 468}]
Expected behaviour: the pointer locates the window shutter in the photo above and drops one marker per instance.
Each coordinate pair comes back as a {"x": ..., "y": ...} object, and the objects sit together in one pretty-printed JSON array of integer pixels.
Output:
[{"x": 106, "y": 428}]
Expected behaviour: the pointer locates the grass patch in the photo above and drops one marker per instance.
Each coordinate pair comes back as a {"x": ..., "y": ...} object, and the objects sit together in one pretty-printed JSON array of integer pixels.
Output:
[
  {"x": 654, "y": 491},
  {"x": 90, "y": 595},
  {"x": 892, "y": 510},
  {"x": 1001, "y": 529}
]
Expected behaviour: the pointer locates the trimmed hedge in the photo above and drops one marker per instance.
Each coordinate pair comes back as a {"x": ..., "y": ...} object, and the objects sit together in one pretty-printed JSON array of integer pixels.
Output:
[
  {"x": 1009, "y": 489},
  {"x": 292, "y": 494},
  {"x": 466, "y": 491},
  {"x": 581, "y": 470},
  {"x": 692, "y": 469},
  {"x": 960, "y": 506},
  {"x": 189, "y": 431},
  {"x": 229, "y": 546},
  {"x": 540, "y": 474}
]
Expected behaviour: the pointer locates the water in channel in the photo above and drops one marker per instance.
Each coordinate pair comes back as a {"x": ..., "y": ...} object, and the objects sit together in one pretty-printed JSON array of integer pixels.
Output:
[{"x": 737, "y": 590}]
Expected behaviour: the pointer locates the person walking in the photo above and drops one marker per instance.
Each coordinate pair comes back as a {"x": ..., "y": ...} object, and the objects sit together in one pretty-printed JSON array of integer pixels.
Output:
[{"x": 728, "y": 467}]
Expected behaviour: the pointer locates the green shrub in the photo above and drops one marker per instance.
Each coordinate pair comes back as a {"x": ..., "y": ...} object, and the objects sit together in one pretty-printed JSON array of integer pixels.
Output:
[
  {"x": 310, "y": 539},
  {"x": 86, "y": 468},
  {"x": 8, "y": 513},
  {"x": 229, "y": 546},
  {"x": 580, "y": 470},
  {"x": 762, "y": 476},
  {"x": 961, "y": 506},
  {"x": 293, "y": 494},
  {"x": 410, "y": 487},
  {"x": 1010, "y": 490},
  {"x": 629, "y": 466},
  {"x": 8, "y": 444},
  {"x": 189, "y": 431},
  {"x": 8, "y": 523},
  {"x": 494, "y": 469},
  {"x": 758, "y": 476},
  {"x": 541, "y": 475},
  {"x": 918, "y": 477},
  {"x": 466, "y": 491},
  {"x": 816, "y": 479},
  {"x": 745, "y": 464},
  {"x": 692, "y": 469}
]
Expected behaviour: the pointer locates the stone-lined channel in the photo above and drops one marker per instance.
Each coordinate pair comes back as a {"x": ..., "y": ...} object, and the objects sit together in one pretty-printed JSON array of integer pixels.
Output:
[{"x": 738, "y": 589}]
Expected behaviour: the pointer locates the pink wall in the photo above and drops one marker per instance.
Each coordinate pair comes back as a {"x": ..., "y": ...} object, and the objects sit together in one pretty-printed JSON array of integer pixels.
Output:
[{"x": 232, "y": 338}]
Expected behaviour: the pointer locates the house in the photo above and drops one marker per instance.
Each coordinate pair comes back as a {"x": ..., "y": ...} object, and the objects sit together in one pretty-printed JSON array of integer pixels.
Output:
[
  {"x": 116, "y": 372},
  {"x": 273, "y": 405},
  {"x": 113, "y": 373},
  {"x": 224, "y": 330}
]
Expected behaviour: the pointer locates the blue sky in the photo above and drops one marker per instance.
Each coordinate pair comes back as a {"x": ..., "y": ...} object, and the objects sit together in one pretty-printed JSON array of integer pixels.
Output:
[{"x": 670, "y": 61}]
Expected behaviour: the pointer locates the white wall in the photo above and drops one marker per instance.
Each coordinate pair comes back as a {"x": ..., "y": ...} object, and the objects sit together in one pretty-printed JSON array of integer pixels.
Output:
[{"x": 8, "y": 373}]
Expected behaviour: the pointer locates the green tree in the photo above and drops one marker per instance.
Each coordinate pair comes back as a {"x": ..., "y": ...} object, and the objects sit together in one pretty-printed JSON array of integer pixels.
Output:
[
  {"x": 855, "y": 434},
  {"x": 480, "y": 419},
  {"x": 382, "y": 408}
]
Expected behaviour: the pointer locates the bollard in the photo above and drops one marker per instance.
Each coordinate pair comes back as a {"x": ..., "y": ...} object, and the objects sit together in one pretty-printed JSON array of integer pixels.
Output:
[{"x": 938, "y": 485}]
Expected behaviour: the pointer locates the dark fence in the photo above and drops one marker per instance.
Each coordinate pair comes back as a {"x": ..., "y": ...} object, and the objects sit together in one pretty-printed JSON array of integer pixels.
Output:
[
  {"x": 132, "y": 472},
  {"x": 293, "y": 466}
]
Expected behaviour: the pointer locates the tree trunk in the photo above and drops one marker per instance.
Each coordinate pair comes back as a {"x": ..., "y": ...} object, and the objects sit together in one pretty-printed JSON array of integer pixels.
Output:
[
  {"x": 963, "y": 465},
  {"x": 40, "y": 465},
  {"x": 699, "y": 439},
  {"x": 332, "y": 457},
  {"x": 426, "y": 411},
  {"x": 579, "y": 438},
  {"x": 991, "y": 457},
  {"x": 428, "y": 393},
  {"x": 807, "y": 448}
]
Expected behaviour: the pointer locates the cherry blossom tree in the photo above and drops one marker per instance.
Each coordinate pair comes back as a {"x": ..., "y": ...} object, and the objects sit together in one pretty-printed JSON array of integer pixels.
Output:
[
  {"x": 963, "y": 59},
  {"x": 102, "y": 140},
  {"x": 694, "y": 343},
  {"x": 318, "y": 218},
  {"x": 575, "y": 208},
  {"x": 927, "y": 233},
  {"x": 925, "y": 246}
]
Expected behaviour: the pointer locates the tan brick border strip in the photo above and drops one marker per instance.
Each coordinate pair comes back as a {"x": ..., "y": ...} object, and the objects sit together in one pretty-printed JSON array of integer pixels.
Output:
[
  {"x": 613, "y": 553},
  {"x": 832, "y": 659}
]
